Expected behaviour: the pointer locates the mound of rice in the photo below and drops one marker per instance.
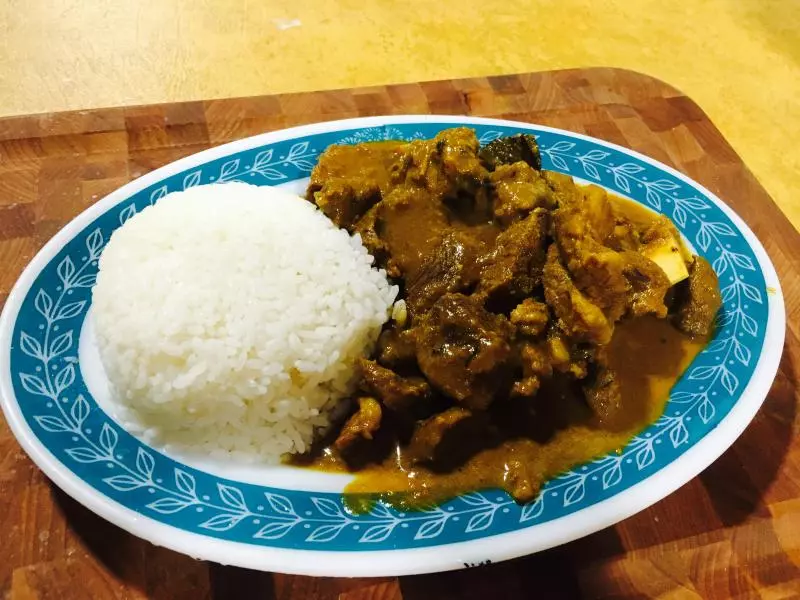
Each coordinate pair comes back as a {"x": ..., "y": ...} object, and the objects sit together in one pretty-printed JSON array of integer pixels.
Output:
[{"x": 229, "y": 318}]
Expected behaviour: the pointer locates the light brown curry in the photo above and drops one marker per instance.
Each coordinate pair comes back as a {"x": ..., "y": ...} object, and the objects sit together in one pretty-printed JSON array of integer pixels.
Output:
[{"x": 544, "y": 322}]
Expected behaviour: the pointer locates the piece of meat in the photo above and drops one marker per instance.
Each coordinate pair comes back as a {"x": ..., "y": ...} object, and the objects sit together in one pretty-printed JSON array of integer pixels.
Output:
[
  {"x": 648, "y": 286},
  {"x": 410, "y": 223},
  {"x": 609, "y": 225},
  {"x": 464, "y": 351},
  {"x": 344, "y": 204},
  {"x": 395, "y": 392},
  {"x": 451, "y": 267},
  {"x": 361, "y": 426},
  {"x": 444, "y": 166},
  {"x": 619, "y": 283},
  {"x": 577, "y": 315},
  {"x": 599, "y": 212},
  {"x": 698, "y": 299},
  {"x": 430, "y": 433},
  {"x": 397, "y": 348},
  {"x": 513, "y": 268},
  {"x": 348, "y": 180},
  {"x": 514, "y": 148},
  {"x": 518, "y": 190},
  {"x": 530, "y": 317},
  {"x": 597, "y": 271}
]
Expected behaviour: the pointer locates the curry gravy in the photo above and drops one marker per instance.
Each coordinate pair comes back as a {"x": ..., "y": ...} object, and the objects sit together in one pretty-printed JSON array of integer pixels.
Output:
[
  {"x": 649, "y": 356},
  {"x": 556, "y": 434}
]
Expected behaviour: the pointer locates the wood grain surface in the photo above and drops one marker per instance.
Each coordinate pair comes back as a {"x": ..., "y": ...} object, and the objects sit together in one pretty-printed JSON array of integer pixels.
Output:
[{"x": 733, "y": 532}]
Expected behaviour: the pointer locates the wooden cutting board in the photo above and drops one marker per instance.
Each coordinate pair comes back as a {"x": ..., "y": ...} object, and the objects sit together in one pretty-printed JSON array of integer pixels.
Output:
[{"x": 733, "y": 532}]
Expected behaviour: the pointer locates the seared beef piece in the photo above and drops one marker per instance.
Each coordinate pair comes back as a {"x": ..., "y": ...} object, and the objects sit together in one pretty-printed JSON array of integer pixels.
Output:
[
  {"x": 595, "y": 269},
  {"x": 397, "y": 348},
  {"x": 530, "y": 317},
  {"x": 513, "y": 268},
  {"x": 361, "y": 426},
  {"x": 345, "y": 204},
  {"x": 619, "y": 283},
  {"x": 348, "y": 180},
  {"x": 511, "y": 149},
  {"x": 395, "y": 392},
  {"x": 451, "y": 267},
  {"x": 445, "y": 166},
  {"x": 464, "y": 351},
  {"x": 698, "y": 299},
  {"x": 598, "y": 212},
  {"x": 648, "y": 286},
  {"x": 518, "y": 190},
  {"x": 410, "y": 223},
  {"x": 577, "y": 315},
  {"x": 430, "y": 433}
]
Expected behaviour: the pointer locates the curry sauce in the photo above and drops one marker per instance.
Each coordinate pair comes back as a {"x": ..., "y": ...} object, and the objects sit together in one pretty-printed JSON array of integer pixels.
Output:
[
  {"x": 649, "y": 355},
  {"x": 544, "y": 322}
]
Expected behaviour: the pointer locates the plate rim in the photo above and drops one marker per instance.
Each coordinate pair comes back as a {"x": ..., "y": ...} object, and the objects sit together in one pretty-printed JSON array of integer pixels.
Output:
[{"x": 405, "y": 561}]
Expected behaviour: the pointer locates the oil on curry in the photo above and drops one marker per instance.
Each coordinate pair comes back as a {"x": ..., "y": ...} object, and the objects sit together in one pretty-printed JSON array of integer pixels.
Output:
[{"x": 543, "y": 323}]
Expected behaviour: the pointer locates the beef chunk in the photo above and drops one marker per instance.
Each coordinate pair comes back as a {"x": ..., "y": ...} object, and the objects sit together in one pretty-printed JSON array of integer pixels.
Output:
[
  {"x": 430, "y": 433},
  {"x": 451, "y": 267},
  {"x": 444, "y": 166},
  {"x": 698, "y": 299},
  {"x": 619, "y": 283},
  {"x": 348, "y": 180},
  {"x": 464, "y": 350},
  {"x": 648, "y": 286},
  {"x": 395, "y": 392},
  {"x": 514, "y": 267},
  {"x": 368, "y": 228},
  {"x": 597, "y": 270},
  {"x": 518, "y": 190},
  {"x": 410, "y": 223},
  {"x": 577, "y": 315},
  {"x": 599, "y": 212},
  {"x": 344, "y": 204},
  {"x": 361, "y": 426},
  {"x": 397, "y": 348}
]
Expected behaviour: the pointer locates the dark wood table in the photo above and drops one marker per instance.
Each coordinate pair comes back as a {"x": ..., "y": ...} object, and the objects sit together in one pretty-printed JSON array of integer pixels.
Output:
[{"x": 733, "y": 532}]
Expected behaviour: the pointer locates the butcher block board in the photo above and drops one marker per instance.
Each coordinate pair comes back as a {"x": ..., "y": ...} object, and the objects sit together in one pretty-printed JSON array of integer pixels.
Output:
[{"x": 732, "y": 532}]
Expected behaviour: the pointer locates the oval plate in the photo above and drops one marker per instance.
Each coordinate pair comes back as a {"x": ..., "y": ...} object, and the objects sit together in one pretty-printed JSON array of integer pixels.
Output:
[{"x": 288, "y": 520}]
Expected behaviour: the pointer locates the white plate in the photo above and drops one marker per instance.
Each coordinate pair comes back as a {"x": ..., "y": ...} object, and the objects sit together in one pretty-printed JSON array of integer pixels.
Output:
[{"x": 289, "y": 520}]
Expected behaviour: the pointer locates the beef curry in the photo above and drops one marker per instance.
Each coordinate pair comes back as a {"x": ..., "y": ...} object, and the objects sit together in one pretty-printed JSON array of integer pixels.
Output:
[{"x": 541, "y": 324}]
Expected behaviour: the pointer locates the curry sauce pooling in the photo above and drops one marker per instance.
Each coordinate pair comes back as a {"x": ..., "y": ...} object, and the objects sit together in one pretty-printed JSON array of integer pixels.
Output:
[{"x": 542, "y": 323}]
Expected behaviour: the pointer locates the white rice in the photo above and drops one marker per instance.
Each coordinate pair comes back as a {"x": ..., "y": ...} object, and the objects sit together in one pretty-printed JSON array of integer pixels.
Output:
[{"x": 229, "y": 318}]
